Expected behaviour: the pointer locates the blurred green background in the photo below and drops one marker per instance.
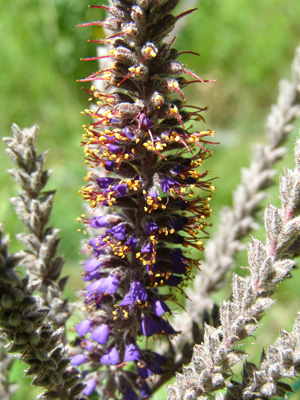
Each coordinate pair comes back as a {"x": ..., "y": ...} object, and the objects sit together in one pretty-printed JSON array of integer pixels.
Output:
[{"x": 247, "y": 46}]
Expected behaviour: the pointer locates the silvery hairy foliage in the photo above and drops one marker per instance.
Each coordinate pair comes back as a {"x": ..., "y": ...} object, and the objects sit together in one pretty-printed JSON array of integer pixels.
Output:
[
  {"x": 269, "y": 264},
  {"x": 23, "y": 324},
  {"x": 33, "y": 206},
  {"x": 146, "y": 159},
  {"x": 32, "y": 326}
]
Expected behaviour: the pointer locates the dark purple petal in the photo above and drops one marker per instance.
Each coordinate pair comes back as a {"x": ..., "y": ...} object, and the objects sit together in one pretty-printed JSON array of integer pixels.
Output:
[
  {"x": 126, "y": 301},
  {"x": 178, "y": 264},
  {"x": 90, "y": 387},
  {"x": 92, "y": 264},
  {"x": 114, "y": 120},
  {"x": 150, "y": 227},
  {"x": 114, "y": 148},
  {"x": 108, "y": 285},
  {"x": 100, "y": 334},
  {"x": 190, "y": 180},
  {"x": 153, "y": 193},
  {"x": 132, "y": 353},
  {"x": 129, "y": 394},
  {"x": 152, "y": 365},
  {"x": 173, "y": 280},
  {"x": 105, "y": 221},
  {"x": 121, "y": 189},
  {"x": 185, "y": 163},
  {"x": 159, "y": 307},
  {"x": 149, "y": 327},
  {"x": 83, "y": 327},
  {"x": 90, "y": 276},
  {"x": 105, "y": 182},
  {"x": 131, "y": 242},
  {"x": 128, "y": 133},
  {"x": 110, "y": 357},
  {"x": 166, "y": 327},
  {"x": 145, "y": 121},
  {"x": 148, "y": 248},
  {"x": 119, "y": 231},
  {"x": 88, "y": 345},
  {"x": 95, "y": 287},
  {"x": 166, "y": 183},
  {"x": 176, "y": 170},
  {"x": 179, "y": 223},
  {"x": 109, "y": 165},
  {"x": 79, "y": 359},
  {"x": 151, "y": 268},
  {"x": 145, "y": 391},
  {"x": 143, "y": 372},
  {"x": 138, "y": 292},
  {"x": 111, "y": 284}
]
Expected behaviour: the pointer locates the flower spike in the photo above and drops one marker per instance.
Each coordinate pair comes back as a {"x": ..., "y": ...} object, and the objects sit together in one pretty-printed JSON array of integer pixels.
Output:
[{"x": 157, "y": 198}]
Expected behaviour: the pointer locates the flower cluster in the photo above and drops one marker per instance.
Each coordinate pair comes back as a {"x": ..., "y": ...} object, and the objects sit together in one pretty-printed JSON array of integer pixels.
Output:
[{"x": 155, "y": 194}]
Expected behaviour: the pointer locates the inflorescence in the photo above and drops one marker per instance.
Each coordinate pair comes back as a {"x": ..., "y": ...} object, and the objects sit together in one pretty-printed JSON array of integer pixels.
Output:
[{"x": 155, "y": 193}]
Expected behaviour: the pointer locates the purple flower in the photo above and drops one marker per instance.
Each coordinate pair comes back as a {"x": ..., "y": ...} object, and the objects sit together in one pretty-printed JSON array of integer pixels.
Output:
[
  {"x": 180, "y": 167},
  {"x": 150, "y": 227},
  {"x": 89, "y": 276},
  {"x": 174, "y": 280},
  {"x": 98, "y": 245},
  {"x": 132, "y": 353},
  {"x": 100, "y": 334},
  {"x": 105, "y": 221},
  {"x": 178, "y": 263},
  {"x": 83, "y": 327},
  {"x": 108, "y": 285},
  {"x": 104, "y": 183},
  {"x": 121, "y": 189},
  {"x": 145, "y": 391},
  {"x": 90, "y": 387},
  {"x": 166, "y": 183},
  {"x": 137, "y": 293},
  {"x": 142, "y": 133},
  {"x": 159, "y": 307},
  {"x": 150, "y": 326},
  {"x": 110, "y": 357},
  {"x": 92, "y": 264},
  {"x": 128, "y": 133},
  {"x": 79, "y": 359},
  {"x": 119, "y": 231},
  {"x": 153, "y": 193},
  {"x": 109, "y": 166},
  {"x": 145, "y": 121},
  {"x": 152, "y": 365},
  {"x": 132, "y": 242},
  {"x": 88, "y": 345},
  {"x": 114, "y": 148},
  {"x": 148, "y": 248}
]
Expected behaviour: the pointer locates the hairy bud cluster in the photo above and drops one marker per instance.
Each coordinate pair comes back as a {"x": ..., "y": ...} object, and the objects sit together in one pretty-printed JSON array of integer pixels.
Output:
[
  {"x": 152, "y": 185},
  {"x": 22, "y": 323}
]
